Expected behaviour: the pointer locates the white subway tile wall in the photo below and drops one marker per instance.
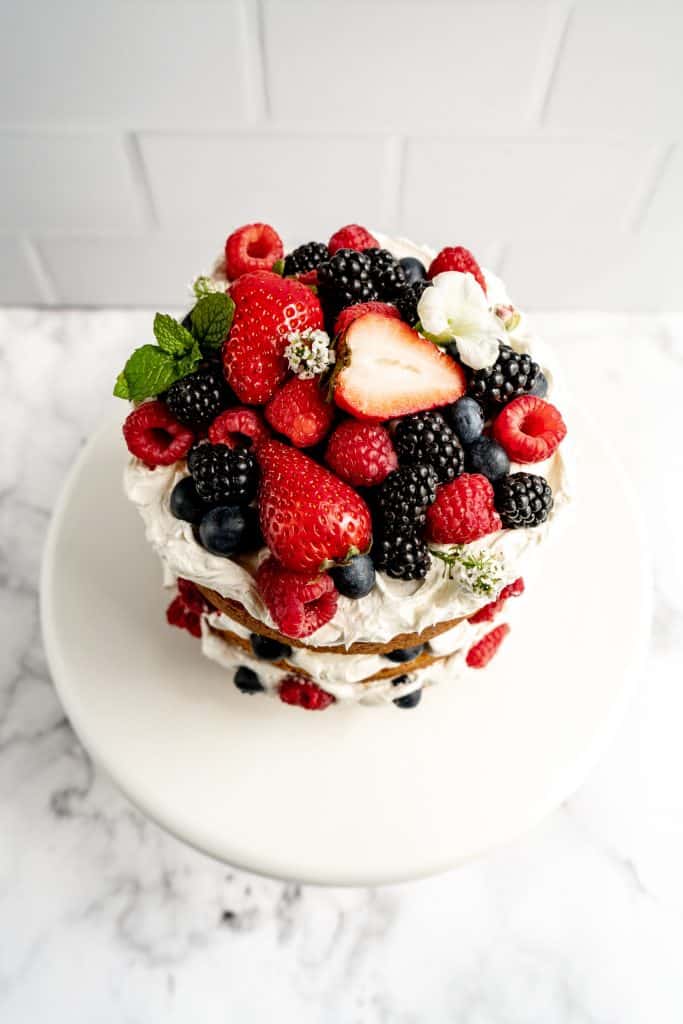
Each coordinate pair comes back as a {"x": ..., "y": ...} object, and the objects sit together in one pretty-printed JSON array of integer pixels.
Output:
[{"x": 543, "y": 134}]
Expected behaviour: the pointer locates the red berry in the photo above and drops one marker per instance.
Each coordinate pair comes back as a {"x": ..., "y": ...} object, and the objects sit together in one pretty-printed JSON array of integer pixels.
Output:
[
  {"x": 480, "y": 655},
  {"x": 298, "y": 603},
  {"x": 186, "y": 609},
  {"x": 303, "y": 693},
  {"x": 239, "y": 427},
  {"x": 351, "y": 313},
  {"x": 493, "y": 609},
  {"x": 455, "y": 257},
  {"x": 252, "y": 247},
  {"x": 310, "y": 519},
  {"x": 267, "y": 309},
  {"x": 529, "y": 429},
  {"x": 463, "y": 511},
  {"x": 299, "y": 411},
  {"x": 361, "y": 453},
  {"x": 353, "y": 236},
  {"x": 154, "y": 436}
]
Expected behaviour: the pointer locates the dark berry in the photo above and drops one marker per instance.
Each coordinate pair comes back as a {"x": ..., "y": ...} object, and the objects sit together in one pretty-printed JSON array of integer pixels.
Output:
[
  {"x": 305, "y": 258},
  {"x": 247, "y": 681},
  {"x": 252, "y": 540},
  {"x": 402, "y": 499},
  {"x": 222, "y": 530},
  {"x": 407, "y": 299},
  {"x": 344, "y": 280},
  {"x": 356, "y": 578},
  {"x": 540, "y": 388},
  {"x": 388, "y": 276},
  {"x": 466, "y": 417},
  {"x": 523, "y": 499},
  {"x": 414, "y": 270},
  {"x": 488, "y": 458},
  {"x": 512, "y": 374},
  {"x": 426, "y": 438},
  {"x": 197, "y": 399},
  {"x": 185, "y": 503},
  {"x": 403, "y": 556},
  {"x": 407, "y": 654},
  {"x": 267, "y": 649},
  {"x": 224, "y": 476},
  {"x": 186, "y": 322},
  {"x": 410, "y": 700}
]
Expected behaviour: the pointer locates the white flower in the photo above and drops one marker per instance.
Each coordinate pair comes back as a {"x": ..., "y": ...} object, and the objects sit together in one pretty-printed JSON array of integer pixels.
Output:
[
  {"x": 456, "y": 309},
  {"x": 308, "y": 353}
]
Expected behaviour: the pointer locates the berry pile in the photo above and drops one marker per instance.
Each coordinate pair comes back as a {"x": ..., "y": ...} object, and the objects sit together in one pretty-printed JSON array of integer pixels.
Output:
[{"x": 319, "y": 418}]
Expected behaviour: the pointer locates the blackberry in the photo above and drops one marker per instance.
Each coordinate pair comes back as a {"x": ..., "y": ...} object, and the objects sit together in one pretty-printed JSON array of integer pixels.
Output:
[
  {"x": 427, "y": 438},
  {"x": 512, "y": 374},
  {"x": 388, "y": 276},
  {"x": 306, "y": 257},
  {"x": 407, "y": 299},
  {"x": 402, "y": 555},
  {"x": 523, "y": 499},
  {"x": 196, "y": 400},
  {"x": 403, "y": 498},
  {"x": 224, "y": 476},
  {"x": 345, "y": 279}
]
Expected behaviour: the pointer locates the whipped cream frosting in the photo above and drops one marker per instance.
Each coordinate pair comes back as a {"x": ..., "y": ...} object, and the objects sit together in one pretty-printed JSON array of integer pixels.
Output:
[{"x": 394, "y": 606}]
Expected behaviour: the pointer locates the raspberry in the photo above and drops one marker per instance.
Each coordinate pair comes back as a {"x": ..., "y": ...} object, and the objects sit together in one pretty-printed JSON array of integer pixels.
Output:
[
  {"x": 463, "y": 511},
  {"x": 186, "y": 609},
  {"x": 480, "y": 655},
  {"x": 154, "y": 436},
  {"x": 298, "y": 603},
  {"x": 351, "y": 313},
  {"x": 529, "y": 429},
  {"x": 252, "y": 247},
  {"x": 491, "y": 610},
  {"x": 299, "y": 411},
  {"x": 239, "y": 427},
  {"x": 361, "y": 453},
  {"x": 303, "y": 693},
  {"x": 353, "y": 236},
  {"x": 455, "y": 257}
]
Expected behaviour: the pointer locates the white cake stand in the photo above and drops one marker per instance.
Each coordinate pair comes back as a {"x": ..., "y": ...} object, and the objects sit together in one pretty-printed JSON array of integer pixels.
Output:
[{"x": 351, "y": 795}]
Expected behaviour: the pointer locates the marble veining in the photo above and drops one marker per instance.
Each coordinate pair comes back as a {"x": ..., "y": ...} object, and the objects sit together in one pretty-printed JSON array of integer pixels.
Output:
[{"x": 105, "y": 918}]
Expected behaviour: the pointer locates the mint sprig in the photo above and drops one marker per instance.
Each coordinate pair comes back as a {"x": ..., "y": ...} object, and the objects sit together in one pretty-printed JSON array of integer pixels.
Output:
[
  {"x": 151, "y": 369},
  {"x": 211, "y": 319}
]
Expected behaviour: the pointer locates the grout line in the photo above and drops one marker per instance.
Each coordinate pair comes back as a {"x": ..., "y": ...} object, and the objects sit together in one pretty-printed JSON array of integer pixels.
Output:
[
  {"x": 256, "y": 61},
  {"x": 131, "y": 145},
  {"x": 552, "y": 50},
  {"x": 44, "y": 280},
  {"x": 637, "y": 209},
  {"x": 392, "y": 181}
]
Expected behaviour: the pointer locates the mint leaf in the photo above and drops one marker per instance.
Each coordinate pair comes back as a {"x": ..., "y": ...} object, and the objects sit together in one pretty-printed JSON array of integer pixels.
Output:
[
  {"x": 279, "y": 267},
  {"x": 171, "y": 336},
  {"x": 148, "y": 372},
  {"x": 121, "y": 389},
  {"x": 188, "y": 363},
  {"x": 212, "y": 319}
]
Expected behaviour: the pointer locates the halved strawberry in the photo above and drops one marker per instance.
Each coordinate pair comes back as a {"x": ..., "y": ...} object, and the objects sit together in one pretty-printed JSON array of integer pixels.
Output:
[
  {"x": 351, "y": 313},
  {"x": 386, "y": 369}
]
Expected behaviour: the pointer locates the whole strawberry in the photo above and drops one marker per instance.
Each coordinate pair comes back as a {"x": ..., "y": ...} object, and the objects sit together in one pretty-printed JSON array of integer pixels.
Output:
[
  {"x": 267, "y": 309},
  {"x": 310, "y": 519},
  {"x": 463, "y": 511}
]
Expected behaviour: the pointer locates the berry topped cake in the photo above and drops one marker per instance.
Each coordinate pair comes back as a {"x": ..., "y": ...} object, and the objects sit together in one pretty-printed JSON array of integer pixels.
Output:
[{"x": 344, "y": 455}]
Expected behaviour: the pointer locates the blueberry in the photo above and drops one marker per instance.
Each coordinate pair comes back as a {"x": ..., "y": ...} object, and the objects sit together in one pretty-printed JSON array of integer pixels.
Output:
[
  {"x": 407, "y": 654},
  {"x": 267, "y": 649},
  {"x": 540, "y": 388},
  {"x": 488, "y": 458},
  {"x": 356, "y": 578},
  {"x": 247, "y": 681},
  {"x": 410, "y": 700},
  {"x": 185, "y": 502},
  {"x": 222, "y": 530},
  {"x": 466, "y": 417},
  {"x": 253, "y": 538},
  {"x": 414, "y": 270}
]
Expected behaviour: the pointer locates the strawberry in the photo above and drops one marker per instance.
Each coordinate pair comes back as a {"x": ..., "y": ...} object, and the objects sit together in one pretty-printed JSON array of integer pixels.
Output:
[
  {"x": 455, "y": 257},
  {"x": 252, "y": 247},
  {"x": 351, "y": 313},
  {"x": 529, "y": 429},
  {"x": 353, "y": 236},
  {"x": 267, "y": 309},
  {"x": 310, "y": 519},
  {"x": 385, "y": 369},
  {"x": 299, "y": 411}
]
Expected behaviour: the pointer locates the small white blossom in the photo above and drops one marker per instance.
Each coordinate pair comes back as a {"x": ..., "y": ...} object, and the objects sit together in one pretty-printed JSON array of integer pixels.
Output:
[
  {"x": 308, "y": 353},
  {"x": 477, "y": 572},
  {"x": 203, "y": 285},
  {"x": 508, "y": 316},
  {"x": 455, "y": 309}
]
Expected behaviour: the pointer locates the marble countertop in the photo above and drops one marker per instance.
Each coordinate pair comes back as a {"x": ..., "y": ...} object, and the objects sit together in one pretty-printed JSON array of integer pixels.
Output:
[{"x": 105, "y": 918}]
